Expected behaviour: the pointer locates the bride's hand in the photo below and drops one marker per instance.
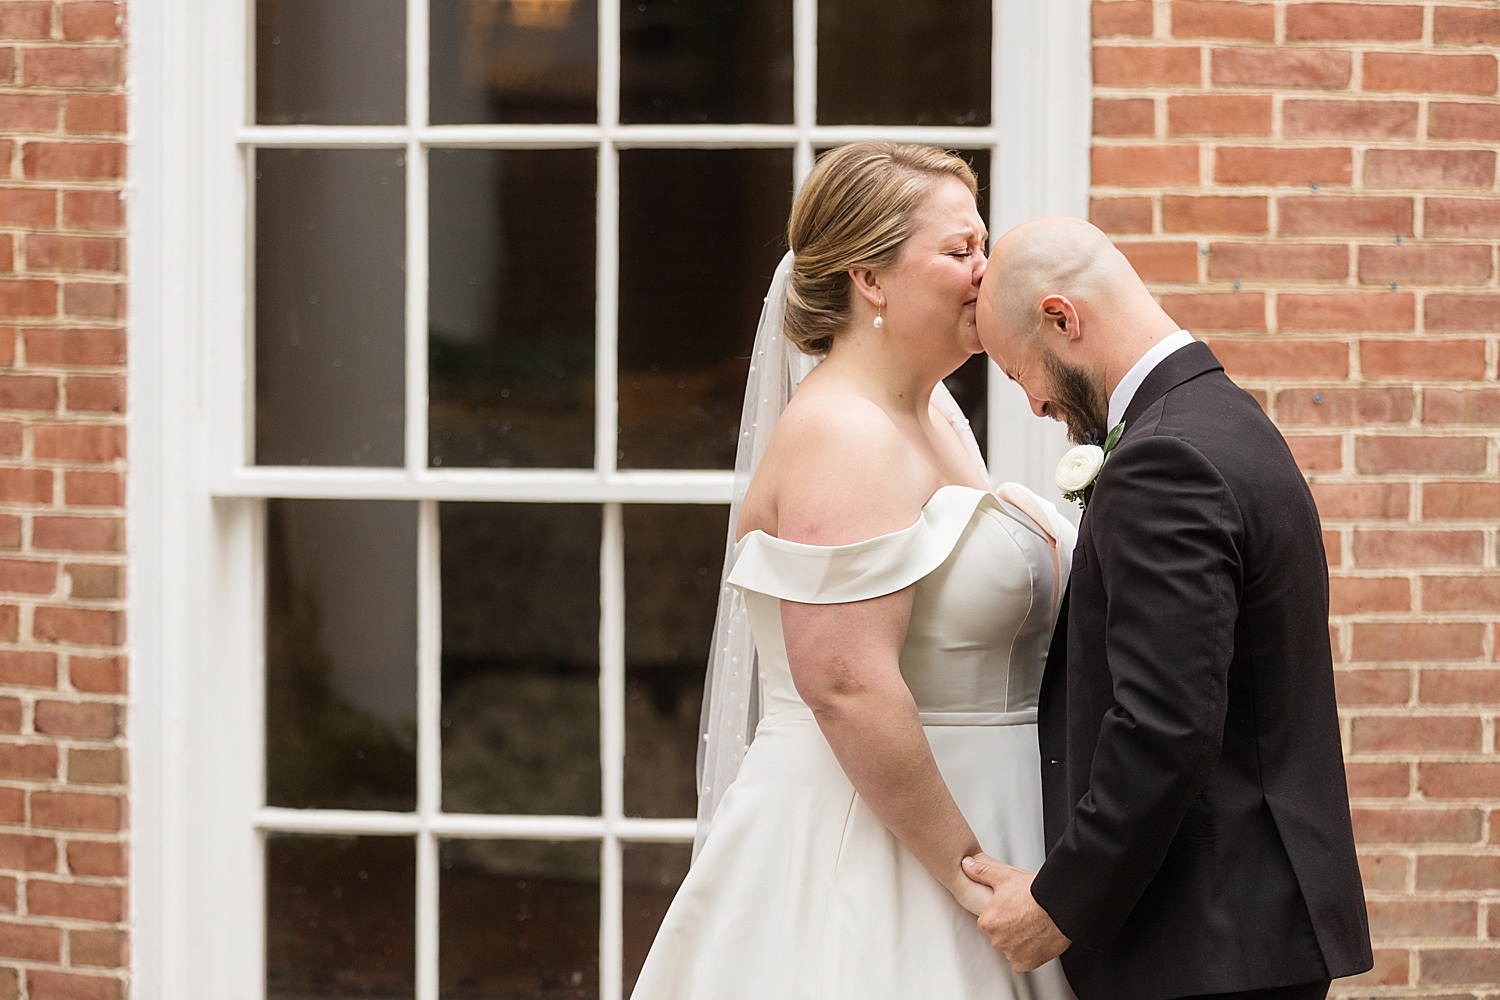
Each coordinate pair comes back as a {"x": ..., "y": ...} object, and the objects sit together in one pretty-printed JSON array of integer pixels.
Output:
[{"x": 971, "y": 895}]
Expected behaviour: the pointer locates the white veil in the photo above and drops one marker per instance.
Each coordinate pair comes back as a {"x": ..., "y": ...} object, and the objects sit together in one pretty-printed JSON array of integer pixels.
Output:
[{"x": 731, "y": 702}]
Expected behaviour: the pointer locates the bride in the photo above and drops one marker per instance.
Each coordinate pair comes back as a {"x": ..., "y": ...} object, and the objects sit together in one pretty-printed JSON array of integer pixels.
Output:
[{"x": 885, "y": 618}]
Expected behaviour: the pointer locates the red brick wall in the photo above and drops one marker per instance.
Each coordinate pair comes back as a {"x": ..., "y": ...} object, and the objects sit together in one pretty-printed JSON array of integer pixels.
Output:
[
  {"x": 1311, "y": 187},
  {"x": 62, "y": 446}
]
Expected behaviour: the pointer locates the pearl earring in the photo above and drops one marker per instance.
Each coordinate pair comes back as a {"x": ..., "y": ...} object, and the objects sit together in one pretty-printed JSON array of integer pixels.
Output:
[{"x": 879, "y": 319}]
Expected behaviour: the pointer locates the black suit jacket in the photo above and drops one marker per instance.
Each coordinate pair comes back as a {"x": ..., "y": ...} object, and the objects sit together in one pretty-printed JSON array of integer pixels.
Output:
[{"x": 1196, "y": 813}]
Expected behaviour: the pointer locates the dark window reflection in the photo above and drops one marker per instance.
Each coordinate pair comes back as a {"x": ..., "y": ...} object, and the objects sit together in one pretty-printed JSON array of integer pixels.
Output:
[
  {"x": 674, "y": 556},
  {"x": 518, "y": 919},
  {"x": 330, "y": 300},
  {"x": 341, "y": 654},
  {"x": 520, "y": 586},
  {"x": 724, "y": 61},
  {"x": 514, "y": 61},
  {"x": 970, "y": 387},
  {"x": 970, "y": 384},
  {"x": 340, "y": 917},
  {"x": 511, "y": 313},
  {"x": 904, "y": 62},
  {"x": 701, "y": 231},
  {"x": 330, "y": 62},
  {"x": 652, "y": 874}
]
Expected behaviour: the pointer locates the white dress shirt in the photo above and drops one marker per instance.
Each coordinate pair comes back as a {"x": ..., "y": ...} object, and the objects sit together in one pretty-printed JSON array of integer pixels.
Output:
[{"x": 1119, "y": 400}]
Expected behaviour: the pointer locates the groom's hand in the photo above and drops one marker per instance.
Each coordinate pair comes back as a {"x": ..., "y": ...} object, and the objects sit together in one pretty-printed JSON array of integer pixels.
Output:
[{"x": 1016, "y": 923}]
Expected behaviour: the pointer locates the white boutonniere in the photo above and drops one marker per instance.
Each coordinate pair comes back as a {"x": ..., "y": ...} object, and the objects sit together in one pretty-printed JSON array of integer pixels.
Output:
[{"x": 1081, "y": 466}]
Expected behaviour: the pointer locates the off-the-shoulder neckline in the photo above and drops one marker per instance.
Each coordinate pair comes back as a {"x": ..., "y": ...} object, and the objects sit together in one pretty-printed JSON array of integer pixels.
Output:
[{"x": 767, "y": 538}]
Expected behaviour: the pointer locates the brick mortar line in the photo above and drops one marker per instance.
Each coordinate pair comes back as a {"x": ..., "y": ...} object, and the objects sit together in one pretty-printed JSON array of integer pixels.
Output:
[
  {"x": 1346, "y": 240},
  {"x": 55, "y": 878},
  {"x": 1383, "y": 46},
  {"x": 1418, "y": 798},
  {"x": 63, "y": 787},
  {"x": 78, "y": 275},
  {"x": 1403, "y": 709},
  {"x": 87, "y": 651},
  {"x": 63, "y": 924},
  {"x": 73, "y": 697},
  {"x": 1273, "y": 143},
  {"x": 86, "y": 971}
]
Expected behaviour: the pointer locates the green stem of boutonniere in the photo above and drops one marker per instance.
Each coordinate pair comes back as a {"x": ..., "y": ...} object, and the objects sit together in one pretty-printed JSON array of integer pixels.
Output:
[{"x": 1115, "y": 433}]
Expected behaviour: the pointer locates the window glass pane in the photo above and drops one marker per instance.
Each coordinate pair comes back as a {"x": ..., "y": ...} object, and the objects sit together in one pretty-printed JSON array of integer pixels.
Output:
[
  {"x": 511, "y": 313},
  {"x": 652, "y": 874},
  {"x": 341, "y": 654},
  {"x": 970, "y": 384},
  {"x": 970, "y": 387},
  {"x": 330, "y": 300},
  {"x": 518, "y": 919},
  {"x": 340, "y": 917},
  {"x": 728, "y": 61},
  {"x": 330, "y": 62},
  {"x": 674, "y": 556},
  {"x": 514, "y": 61},
  {"x": 520, "y": 585},
  {"x": 701, "y": 231},
  {"x": 904, "y": 62}
]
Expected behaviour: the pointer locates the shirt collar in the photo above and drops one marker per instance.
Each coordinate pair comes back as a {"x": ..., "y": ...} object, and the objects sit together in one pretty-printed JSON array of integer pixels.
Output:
[{"x": 1119, "y": 400}]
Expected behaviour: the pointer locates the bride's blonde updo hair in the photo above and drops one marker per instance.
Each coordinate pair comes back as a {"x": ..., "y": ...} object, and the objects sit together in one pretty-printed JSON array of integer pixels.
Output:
[{"x": 855, "y": 211}]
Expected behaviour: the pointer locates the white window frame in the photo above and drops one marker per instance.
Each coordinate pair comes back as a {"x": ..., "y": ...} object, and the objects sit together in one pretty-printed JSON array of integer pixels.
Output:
[{"x": 195, "y": 499}]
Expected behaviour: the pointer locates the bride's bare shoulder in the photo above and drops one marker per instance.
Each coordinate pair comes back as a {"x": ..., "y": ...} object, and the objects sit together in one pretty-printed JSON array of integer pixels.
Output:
[{"x": 836, "y": 470}]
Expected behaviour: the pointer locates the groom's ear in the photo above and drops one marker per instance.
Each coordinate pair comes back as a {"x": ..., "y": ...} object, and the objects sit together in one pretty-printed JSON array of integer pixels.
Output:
[{"x": 1060, "y": 318}]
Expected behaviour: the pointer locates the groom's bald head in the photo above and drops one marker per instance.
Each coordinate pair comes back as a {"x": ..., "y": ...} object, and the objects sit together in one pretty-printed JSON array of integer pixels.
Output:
[
  {"x": 1054, "y": 256},
  {"x": 1063, "y": 313}
]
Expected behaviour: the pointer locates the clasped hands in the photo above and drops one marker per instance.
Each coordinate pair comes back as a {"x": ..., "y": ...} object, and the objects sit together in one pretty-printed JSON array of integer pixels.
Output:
[{"x": 1015, "y": 922}]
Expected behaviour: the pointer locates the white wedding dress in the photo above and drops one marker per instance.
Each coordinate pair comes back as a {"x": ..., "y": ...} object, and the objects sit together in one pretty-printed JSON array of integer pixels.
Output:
[{"x": 799, "y": 890}]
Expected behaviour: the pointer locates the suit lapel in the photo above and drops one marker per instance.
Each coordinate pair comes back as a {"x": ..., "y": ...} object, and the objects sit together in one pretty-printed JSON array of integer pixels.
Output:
[
  {"x": 1176, "y": 368},
  {"x": 1057, "y": 655},
  {"x": 1052, "y": 730}
]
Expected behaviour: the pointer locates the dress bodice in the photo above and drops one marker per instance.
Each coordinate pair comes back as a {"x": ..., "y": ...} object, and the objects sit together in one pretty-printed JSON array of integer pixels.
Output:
[{"x": 987, "y": 585}]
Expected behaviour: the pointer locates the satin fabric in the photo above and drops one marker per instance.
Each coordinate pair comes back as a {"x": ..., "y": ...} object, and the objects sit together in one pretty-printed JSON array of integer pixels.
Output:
[{"x": 800, "y": 891}]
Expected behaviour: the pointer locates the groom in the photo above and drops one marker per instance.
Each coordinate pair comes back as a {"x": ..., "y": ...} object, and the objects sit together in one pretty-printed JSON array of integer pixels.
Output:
[{"x": 1196, "y": 815}]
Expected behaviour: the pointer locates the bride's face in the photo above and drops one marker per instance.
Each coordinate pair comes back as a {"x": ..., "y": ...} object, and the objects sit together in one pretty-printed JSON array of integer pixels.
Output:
[{"x": 933, "y": 289}]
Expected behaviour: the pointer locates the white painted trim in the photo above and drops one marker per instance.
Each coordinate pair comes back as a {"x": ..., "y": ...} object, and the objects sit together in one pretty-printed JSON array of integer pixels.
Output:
[
  {"x": 416, "y": 242},
  {"x": 804, "y": 86},
  {"x": 625, "y": 136},
  {"x": 607, "y": 247},
  {"x": 194, "y": 697},
  {"x": 1042, "y": 95},
  {"x": 429, "y": 742},
  {"x": 472, "y": 826},
  {"x": 195, "y": 513},
  {"x": 538, "y": 485},
  {"x": 607, "y": 314},
  {"x": 611, "y": 744}
]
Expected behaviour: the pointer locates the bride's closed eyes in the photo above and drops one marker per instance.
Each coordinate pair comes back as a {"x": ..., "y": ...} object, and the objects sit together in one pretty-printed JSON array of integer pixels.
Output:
[{"x": 972, "y": 244}]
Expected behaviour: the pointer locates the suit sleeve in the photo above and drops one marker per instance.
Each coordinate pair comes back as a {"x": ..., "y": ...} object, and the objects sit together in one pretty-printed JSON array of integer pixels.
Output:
[{"x": 1166, "y": 533}]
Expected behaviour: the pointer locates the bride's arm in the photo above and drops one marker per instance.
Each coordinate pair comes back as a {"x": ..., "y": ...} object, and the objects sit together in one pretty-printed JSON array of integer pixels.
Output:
[
  {"x": 844, "y": 660},
  {"x": 841, "y": 475}
]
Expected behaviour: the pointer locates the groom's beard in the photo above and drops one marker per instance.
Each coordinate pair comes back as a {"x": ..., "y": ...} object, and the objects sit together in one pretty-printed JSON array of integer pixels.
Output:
[{"x": 1080, "y": 399}]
